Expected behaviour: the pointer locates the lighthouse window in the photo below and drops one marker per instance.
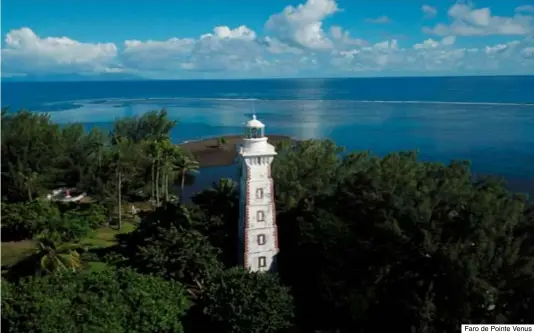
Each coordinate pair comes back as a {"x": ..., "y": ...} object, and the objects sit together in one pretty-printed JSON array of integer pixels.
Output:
[
  {"x": 259, "y": 193},
  {"x": 260, "y": 216},
  {"x": 261, "y": 239},
  {"x": 262, "y": 262},
  {"x": 254, "y": 133},
  {"x": 258, "y": 160}
]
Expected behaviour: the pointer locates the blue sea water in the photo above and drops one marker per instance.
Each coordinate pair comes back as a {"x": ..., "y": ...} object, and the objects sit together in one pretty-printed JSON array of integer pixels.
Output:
[{"x": 487, "y": 120}]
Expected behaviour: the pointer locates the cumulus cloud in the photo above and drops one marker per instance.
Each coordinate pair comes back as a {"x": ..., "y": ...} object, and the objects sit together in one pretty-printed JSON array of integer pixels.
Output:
[
  {"x": 429, "y": 11},
  {"x": 431, "y": 44},
  {"x": 525, "y": 9},
  {"x": 295, "y": 42},
  {"x": 24, "y": 49},
  {"x": 449, "y": 40},
  {"x": 343, "y": 37},
  {"x": 303, "y": 25},
  {"x": 469, "y": 21},
  {"x": 158, "y": 55},
  {"x": 223, "y": 49},
  {"x": 224, "y": 32},
  {"x": 435, "y": 56},
  {"x": 496, "y": 48},
  {"x": 528, "y": 52},
  {"x": 277, "y": 47},
  {"x": 379, "y": 20}
]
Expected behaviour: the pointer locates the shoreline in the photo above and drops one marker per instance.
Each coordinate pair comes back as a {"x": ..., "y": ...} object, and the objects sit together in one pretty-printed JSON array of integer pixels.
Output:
[
  {"x": 209, "y": 153},
  {"x": 232, "y": 136}
]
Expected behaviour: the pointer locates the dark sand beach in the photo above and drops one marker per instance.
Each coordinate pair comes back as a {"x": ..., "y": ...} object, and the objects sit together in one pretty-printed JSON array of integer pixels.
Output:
[{"x": 209, "y": 153}]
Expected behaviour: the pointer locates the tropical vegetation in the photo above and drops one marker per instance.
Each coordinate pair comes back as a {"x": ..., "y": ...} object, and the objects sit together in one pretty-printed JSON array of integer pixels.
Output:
[{"x": 367, "y": 243}]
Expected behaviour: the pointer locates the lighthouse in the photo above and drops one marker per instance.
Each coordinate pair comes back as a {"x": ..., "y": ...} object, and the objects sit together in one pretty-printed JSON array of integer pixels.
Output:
[{"x": 258, "y": 235}]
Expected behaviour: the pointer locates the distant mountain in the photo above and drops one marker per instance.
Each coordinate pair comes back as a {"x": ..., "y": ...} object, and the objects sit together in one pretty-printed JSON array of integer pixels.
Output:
[{"x": 74, "y": 77}]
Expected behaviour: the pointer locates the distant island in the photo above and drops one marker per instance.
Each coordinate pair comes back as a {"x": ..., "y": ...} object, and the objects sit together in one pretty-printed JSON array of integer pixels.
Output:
[{"x": 74, "y": 77}]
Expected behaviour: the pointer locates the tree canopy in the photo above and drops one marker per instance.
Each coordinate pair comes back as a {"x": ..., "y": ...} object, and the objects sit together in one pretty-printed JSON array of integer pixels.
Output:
[
  {"x": 367, "y": 243},
  {"x": 107, "y": 301},
  {"x": 420, "y": 241},
  {"x": 239, "y": 301},
  {"x": 170, "y": 245}
]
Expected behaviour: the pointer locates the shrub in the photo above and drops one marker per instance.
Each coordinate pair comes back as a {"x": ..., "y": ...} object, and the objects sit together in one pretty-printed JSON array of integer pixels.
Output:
[
  {"x": 95, "y": 214},
  {"x": 105, "y": 301},
  {"x": 71, "y": 227},
  {"x": 237, "y": 301},
  {"x": 71, "y": 221},
  {"x": 28, "y": 219}
]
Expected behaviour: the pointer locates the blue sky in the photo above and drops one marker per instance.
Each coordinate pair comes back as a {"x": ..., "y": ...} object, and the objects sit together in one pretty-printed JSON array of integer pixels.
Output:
[{"x": 269, "y": 38}]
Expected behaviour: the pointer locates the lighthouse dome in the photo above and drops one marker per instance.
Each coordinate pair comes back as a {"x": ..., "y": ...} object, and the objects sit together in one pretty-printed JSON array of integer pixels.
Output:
[{"x": 255, "y": 123}]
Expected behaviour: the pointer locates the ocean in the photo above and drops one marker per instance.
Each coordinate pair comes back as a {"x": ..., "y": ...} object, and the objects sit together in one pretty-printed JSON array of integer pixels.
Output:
[{"x": 487, "y": 120}]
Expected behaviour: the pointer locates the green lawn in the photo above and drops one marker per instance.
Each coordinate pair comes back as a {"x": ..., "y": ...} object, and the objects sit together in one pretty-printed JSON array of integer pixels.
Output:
[
  {"x": 13, "y": 252},
  {"x": 95, "y": 266},
  {"x": 104, "y": 237}
]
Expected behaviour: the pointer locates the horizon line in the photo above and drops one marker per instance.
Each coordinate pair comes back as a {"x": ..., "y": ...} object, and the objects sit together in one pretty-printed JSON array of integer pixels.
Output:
[{"x": 18, "y": 79}]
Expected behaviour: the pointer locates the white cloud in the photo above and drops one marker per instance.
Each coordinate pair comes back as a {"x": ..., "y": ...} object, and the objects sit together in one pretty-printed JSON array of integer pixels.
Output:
[
  {"x": 429, "y": 11},
  {"x": 437, "y": 56},
  {"x": 343, "y": 37},
  {"x": 379, "y": 20},
  {"x": 495, "y": 48},
  {"x": 224, "y": 49},
  {"x": 525, "y": 9},
  {"x": 157, "y": 55},
  {"x": 427, "y": 44},
  {"x": 25, "y": 50},
  {"x": 385, "y": 45},
  {"x": 302, "y": 25},
  {"x": 224, "y": 32},
  {"x": 432, "y": 44},
  {"x": 468, "y": 21},
  {"x": 528, "y": 52},
  {"x": 449, "y": 40},
  {"x": 294, "y": 43},
  {"x": 277, "y": 47}
]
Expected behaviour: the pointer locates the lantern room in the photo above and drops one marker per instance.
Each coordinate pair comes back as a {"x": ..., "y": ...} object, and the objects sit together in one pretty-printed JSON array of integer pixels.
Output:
[{"x": 254, "y": 129}]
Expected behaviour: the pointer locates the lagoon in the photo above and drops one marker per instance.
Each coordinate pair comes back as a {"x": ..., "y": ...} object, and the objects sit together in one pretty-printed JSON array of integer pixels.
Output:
[{"x": 487, "y": 120}]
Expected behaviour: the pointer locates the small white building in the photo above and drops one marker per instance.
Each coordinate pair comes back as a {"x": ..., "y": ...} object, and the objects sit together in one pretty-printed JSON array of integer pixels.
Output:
[
  {"x": 258, "y": 235},
  {"x": 65, "y": 195}
]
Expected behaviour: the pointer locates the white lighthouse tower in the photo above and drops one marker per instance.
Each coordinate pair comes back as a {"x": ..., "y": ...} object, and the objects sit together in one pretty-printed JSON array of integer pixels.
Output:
[{"x": 258, "y": 235}]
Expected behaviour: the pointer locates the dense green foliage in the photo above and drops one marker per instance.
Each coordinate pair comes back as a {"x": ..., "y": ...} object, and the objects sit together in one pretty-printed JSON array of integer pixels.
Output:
[
  {"x": 27, "y": 219},
  {"x": 135, "y": 159},
  {"x": 70, "y": 222},
  {"x": 238, "y": 301},
  {"x": 219, "y": 210},
  {"x": 169, "y": 244},
  {"x": 108, "y": 301},
  {"x": 419, "y": 241},
  {"x": 367, "y": 244}
]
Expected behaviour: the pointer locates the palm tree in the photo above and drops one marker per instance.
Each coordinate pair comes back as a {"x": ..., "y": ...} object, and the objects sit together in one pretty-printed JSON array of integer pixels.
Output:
[
  {"x": 162, "y": 152},
  {"x": 95, "y": 144},
  {"x": 77, "y": 152},
  {"x": 225, "y": 187},
  {"x": 27, "y": 178},
  {"x": 178, "y": 160},
  {"x": 170, "y": 158},
  {"x": 152, "y": 154},
  {"x": 186, "y": 164},
  {"x": 157, "y": 152},
  {"x": 57, "y": 259},
  {"x": 221, "y": 202},
  {"x": 225, "y": 194},
  {"x": 124, "y": 153}
]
